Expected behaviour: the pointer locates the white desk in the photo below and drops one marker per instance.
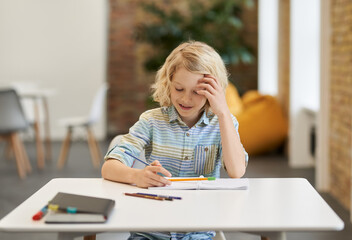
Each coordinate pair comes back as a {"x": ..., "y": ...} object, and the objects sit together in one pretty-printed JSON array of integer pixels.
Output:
[{"x": 270, "y": 207}]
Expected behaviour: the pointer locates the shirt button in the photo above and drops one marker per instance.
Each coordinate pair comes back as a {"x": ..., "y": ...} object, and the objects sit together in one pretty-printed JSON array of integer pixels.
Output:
[
  {"x": 187, "y": 134},
  {"x": 186, "y": 158},
  {"x": 206, "y": 149}
]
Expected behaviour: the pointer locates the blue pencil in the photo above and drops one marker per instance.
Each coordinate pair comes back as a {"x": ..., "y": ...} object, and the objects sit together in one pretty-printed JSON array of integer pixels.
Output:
[
  {"x": 162, "y": 196},
  {"x": 129, "y": 154}
]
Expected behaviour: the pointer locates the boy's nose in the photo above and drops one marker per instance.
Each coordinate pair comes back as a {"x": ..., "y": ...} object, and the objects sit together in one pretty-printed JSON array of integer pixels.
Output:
[{"x": 186, "y": 98}]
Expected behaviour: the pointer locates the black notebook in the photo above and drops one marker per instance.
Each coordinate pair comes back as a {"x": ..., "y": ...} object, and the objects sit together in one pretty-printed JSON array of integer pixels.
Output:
[{"x": 73, "y": 208}]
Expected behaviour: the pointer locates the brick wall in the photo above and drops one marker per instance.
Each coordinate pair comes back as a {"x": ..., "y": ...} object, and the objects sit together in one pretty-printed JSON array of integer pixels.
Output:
[
  {"x": 126, "y": 95},
  {"x": 129, "y": 83},
  {"x": 341, "y": 100},
  {"x": 245, "y": 76}
]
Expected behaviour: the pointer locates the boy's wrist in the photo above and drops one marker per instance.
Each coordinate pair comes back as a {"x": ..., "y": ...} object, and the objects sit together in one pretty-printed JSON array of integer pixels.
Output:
[
  {"x": 224, "y": 114},
  {"x": 134, "y": 175}
]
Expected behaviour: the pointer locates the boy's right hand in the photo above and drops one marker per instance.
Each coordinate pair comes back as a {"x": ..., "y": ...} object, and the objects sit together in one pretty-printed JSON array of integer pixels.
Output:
[{"x": 149, "y": 177}]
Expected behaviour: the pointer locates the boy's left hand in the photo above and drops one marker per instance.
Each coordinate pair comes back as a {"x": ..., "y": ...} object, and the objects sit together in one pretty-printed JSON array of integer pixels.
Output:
[{"x": 211, "y": 89}]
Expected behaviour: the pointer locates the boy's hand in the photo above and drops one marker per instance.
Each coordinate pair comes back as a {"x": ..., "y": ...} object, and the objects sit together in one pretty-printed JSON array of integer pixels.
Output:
[
  {"x": 149, "y": 176},
  {"x": 211, "y": 89},
  {"x": 156, "y": 163}
]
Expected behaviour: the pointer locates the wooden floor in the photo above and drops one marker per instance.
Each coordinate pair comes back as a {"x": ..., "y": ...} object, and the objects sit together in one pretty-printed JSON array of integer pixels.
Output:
[{"x": 14, "y": 191}]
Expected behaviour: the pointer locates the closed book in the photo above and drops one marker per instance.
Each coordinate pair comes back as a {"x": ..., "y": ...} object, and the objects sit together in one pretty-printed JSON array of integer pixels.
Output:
[{"x": 74, "y": 208}]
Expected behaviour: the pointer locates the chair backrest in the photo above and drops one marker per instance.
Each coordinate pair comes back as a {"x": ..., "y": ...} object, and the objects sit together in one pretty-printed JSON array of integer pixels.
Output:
[
  {"x": 12, "y": 117},
  {"x": 97, "y": 105},
  {"x": 28, "y": 103}
]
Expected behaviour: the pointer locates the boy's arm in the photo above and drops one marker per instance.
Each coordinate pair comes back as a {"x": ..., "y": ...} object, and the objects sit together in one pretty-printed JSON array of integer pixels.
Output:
[
  {"x": 117, "y": 164},
  {"x": 232, "y": 150},
  {"x": 115, "y": 170}
]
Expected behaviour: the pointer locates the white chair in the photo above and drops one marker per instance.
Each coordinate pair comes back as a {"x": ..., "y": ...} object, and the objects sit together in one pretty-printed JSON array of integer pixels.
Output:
[
  {"x": 85, "y": 122},
  {"x": 13, "y": 121},
  {"x": 219, "y": 234},
  {"x": 35, "y": 106}
]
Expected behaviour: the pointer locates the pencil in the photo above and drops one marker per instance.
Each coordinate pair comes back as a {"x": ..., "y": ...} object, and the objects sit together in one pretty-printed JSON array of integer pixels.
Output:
[
  {"x": 129, "y": 154},
  {"x": 163, "y": 196},
  {"x": 144, "y": 196},
  {"x": 191, "y": 179}
]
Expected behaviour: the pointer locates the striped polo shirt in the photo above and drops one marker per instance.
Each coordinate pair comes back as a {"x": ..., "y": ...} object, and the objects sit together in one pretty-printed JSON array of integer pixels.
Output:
[{"x": 183, "y": 151}]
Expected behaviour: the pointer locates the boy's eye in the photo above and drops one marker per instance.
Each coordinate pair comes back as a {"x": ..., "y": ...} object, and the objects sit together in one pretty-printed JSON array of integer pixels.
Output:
[
  {"x": 178, "y": 89},
  {"x": 195, "y": 92}
]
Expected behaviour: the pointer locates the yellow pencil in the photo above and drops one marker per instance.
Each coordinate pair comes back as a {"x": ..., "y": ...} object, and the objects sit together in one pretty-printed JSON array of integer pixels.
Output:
[{"x": 191, "y": 179}]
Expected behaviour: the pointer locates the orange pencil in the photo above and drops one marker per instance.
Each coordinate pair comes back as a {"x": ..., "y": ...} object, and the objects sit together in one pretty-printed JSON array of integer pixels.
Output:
[{"x": 191, "y": 179}]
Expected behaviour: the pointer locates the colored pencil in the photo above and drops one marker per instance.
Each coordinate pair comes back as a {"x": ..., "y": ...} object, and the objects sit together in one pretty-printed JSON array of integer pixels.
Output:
[
  {"x": 191, "y": 179},
  {"x": 144, "y": 196},
  {"x": 163, "y": 196},
  {"x": 140, "y": 160}
]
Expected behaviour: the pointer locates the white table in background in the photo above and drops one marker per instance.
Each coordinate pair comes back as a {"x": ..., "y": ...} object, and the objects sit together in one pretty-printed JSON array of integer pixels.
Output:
[
  {"x": 39, "y": 96},
  {"x": 270, "y": 207}
]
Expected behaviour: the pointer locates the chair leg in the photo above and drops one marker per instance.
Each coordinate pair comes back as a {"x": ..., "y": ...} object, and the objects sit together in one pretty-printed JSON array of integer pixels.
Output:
[
  {"x": 39, "y": 144},
  {"x": 18, "y": 155},
  {"x": 64, "y": 149},
  {"x": 94, "y": 148},
  {"x": 8, "y": 153},
  {"x": 24, "y": 156}
]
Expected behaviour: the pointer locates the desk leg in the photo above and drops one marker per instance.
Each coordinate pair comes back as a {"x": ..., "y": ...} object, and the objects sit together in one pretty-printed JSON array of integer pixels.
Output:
[
  {"x": 71, "y": 236},
  {"x": 47, "y": 129},
  {"x": 40, "y": 149}
]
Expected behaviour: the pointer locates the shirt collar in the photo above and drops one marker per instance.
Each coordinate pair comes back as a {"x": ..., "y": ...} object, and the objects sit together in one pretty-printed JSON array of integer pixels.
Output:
[
  {"x": 205, "y": 118},
  {"x": 173, "y": 115}
]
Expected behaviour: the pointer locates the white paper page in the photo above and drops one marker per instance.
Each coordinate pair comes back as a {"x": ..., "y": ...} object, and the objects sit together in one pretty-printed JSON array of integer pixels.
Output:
[
  {"x": 218, "y": 184},
  {"x": 225, "y": 183}
]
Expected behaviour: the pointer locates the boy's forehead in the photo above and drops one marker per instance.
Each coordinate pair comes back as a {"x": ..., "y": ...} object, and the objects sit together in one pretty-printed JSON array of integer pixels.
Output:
[{"x": 183, "y": 76}]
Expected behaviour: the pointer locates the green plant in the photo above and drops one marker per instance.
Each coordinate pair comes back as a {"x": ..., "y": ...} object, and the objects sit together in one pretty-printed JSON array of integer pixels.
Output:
[{"x": 216, "y": 22}]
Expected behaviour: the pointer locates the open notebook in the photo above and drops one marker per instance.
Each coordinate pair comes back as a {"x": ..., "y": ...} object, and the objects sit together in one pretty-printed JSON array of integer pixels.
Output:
[{"x": 217, "y": 184}]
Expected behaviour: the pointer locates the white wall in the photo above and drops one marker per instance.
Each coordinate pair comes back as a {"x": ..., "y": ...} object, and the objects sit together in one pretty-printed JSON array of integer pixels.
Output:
[
  {"x": 304, "y": 75},
  {"x": 268, "y": 47},
  {"x": 304, "y": 69},
  {"x": 59, "y": 44}
]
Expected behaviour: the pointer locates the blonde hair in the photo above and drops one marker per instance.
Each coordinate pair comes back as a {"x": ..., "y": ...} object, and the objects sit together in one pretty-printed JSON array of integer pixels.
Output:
[{"x": 196, "y": 57}]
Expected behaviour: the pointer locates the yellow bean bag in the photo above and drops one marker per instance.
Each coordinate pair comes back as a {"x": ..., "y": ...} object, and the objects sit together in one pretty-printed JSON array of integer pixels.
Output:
[
  {"x": 233, "y": 99},
  {"x": 263, "y": 126}
]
